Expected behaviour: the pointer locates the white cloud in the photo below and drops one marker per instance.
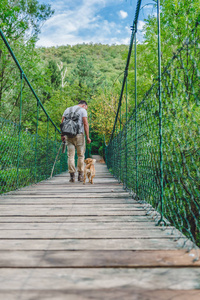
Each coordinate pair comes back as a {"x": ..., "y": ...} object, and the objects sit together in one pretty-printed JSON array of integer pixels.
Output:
[
  {"x": 63, "y": 27},
  {"x": 128, "y": 29},
  {"x": 123, "y": 14},
  {"x": 125, "y": 41},
  {"x": 140, "y": 25},
  {"x": 81, "y": 22}
]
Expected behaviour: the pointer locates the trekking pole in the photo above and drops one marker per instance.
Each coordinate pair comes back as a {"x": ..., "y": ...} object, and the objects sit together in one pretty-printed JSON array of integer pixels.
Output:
[{"x": 63, "y": 151}]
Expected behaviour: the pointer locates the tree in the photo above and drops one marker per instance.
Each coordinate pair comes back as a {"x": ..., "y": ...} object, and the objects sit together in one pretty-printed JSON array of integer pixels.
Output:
[
  {"x": 23, "y": 18},
  {"x": 86, "y": 78},
  {"x": 20, "y": 22},
  {"x": 54, "y": 74},
  {"x": 63, "y": 71}
]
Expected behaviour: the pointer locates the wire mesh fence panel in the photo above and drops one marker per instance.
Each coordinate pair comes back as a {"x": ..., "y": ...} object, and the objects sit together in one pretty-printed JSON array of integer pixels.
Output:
[
  {"x": 29, "y": 140},
  {"x": 134, "y": 154},
  {"x": 181, "y": 128}
]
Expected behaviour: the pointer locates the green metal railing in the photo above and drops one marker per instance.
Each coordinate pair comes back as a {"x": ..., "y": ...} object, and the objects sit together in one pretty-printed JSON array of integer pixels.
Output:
[
  {"x": 29, "y": 140},
  {"x": 156, "y": 154}
]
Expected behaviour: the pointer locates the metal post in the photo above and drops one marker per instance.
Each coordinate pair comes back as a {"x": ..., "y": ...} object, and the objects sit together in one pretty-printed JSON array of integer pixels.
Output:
[
  {"x": 160, "y": 112},
  {"x": 120, "y": 154},
  {"x": 61, "y": 163},
  {"x": 126, "y": 131},
  {"x": 47, "y": 147},
  {"x": 36, "y": 140},
  {"x": 136, "y": 137},
  {"x": 55, "y": 147},
  {"x": 19, "y": 134}
]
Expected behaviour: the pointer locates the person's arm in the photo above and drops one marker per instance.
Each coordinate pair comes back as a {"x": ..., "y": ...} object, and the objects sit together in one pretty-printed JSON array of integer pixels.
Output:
[{"x": 86, "y": 128}]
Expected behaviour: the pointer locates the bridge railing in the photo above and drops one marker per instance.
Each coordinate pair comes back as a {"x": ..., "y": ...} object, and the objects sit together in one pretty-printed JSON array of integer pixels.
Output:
[
  {"x": 156, "y": 153},
  {"x": 29, "y": 139}
]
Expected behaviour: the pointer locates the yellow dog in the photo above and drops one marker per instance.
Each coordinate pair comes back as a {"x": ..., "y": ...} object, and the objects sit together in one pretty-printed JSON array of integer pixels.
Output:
[{"x": 89, "y": 170}]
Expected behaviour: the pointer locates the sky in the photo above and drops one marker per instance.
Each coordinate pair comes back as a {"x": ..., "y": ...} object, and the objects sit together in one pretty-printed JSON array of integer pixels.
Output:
[{"x": 91, "y": 21}]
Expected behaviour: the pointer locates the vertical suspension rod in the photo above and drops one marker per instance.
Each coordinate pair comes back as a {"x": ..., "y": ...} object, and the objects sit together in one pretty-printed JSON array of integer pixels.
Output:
[
  {"x": 120, "y": 150},
  {"x": 47, "y": 171},
  {"x": 20, "y": 123},
  {"x": 36, "y": 140},
  {"x": 126, "y": 131},
  {"x": 136, "y": 136},
  {"x": 160, "y": 111}
]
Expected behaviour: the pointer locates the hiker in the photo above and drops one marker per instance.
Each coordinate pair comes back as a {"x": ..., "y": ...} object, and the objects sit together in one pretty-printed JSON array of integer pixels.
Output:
[{"x": 78, "y": 113}]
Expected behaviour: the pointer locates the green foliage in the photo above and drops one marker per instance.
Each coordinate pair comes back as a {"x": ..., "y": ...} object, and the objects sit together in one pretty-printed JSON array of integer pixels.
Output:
[
  {"x": 20, "y": 23},
  {"x": 178, "y": 18},
  {"x": 90, "y": 65},
  {"x": 9, "y": 178},
  {"x": 22, "y": 16},
  {"x": 26, "y": 158},
  {"x": 134, "y": 154},
  {"x": 55, "y": 74}
]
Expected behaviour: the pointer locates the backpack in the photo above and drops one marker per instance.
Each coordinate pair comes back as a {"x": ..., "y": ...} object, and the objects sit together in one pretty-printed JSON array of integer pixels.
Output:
[{"x": 70, "y": 126}]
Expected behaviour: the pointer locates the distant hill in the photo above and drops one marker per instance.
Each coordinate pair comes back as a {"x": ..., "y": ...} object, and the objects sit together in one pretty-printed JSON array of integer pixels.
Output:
[{"x": 107, "y": 60}]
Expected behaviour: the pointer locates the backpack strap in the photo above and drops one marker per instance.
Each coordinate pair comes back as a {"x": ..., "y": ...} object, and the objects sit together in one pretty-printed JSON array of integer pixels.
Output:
[
  {"x": 70, "y": 110},
  {"x": 78, "y": 108}
]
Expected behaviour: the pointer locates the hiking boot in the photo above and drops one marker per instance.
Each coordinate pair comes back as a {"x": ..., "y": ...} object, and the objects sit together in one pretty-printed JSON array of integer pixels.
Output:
[
  {"x": 72, "y": 177},
  {"x": 80, "y": 176}
]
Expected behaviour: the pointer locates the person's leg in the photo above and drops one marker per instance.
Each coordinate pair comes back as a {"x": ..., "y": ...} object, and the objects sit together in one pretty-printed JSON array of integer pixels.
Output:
[
  {"x": 71, "y": 164},
  {"x": 80, "y": 147}
]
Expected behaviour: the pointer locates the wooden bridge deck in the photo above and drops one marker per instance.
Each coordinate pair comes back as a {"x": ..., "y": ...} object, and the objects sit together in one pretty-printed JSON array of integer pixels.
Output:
[{"x": 69, "y": 241}]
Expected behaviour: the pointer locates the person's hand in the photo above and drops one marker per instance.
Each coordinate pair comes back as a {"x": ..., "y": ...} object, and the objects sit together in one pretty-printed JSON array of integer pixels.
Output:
[
  {"x": 88, "y": 140},
  {"x": 63, "y": 138}
]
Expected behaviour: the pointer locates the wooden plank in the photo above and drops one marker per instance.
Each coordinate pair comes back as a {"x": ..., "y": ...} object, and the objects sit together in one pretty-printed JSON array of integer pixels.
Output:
[
  {"x": 108, "y": 294},
  {"x": 98, "y": 259},
  {"x": 90, "y": 244},
  {"x": 75, "y": 226},
  {"x": 74, "y": 195},
  {"x": 96, "y": 278},
  {"x": 49, "y": 201},
  {"x": 62, "y": 198},
  {"x": 57, "y": 196},
  {"x": 74, "y": 219},
  {"x": 79, "y": 186},
  {"x": 65, "y": 183},
  {"x": 104, "y": 178},
  {"x": 67, "y": 233},
  {"x": 61, "y": 212},
  {"x": 74, "y": 206},
  {"x": 70, "y": 189}
]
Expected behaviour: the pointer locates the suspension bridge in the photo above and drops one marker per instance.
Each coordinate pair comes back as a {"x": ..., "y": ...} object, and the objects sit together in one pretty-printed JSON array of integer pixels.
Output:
[{"x": 135, "y": 233}]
